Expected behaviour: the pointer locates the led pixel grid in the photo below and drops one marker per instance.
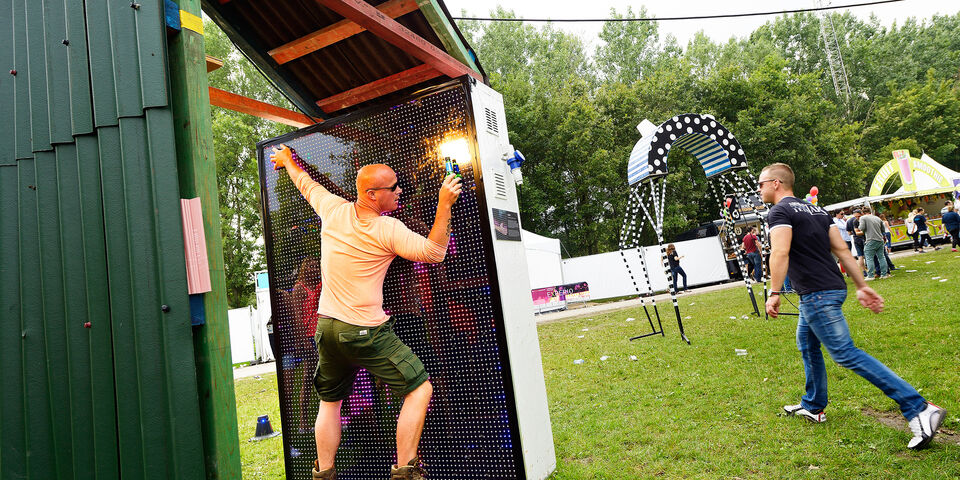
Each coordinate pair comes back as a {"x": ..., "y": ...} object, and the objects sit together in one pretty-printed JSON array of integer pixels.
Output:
[{"x": 447, "y": 313}]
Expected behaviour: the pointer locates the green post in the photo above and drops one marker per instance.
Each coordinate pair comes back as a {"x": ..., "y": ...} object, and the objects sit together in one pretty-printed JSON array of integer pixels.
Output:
[{"x": 198, "y": 178}]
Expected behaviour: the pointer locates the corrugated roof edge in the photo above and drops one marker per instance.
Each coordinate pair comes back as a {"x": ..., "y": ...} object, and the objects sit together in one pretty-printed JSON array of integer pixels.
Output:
[{"x": 456, "y": 29}]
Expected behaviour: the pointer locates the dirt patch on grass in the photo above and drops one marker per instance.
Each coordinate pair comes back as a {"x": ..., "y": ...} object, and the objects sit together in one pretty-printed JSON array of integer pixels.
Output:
[
  {"x": 583, "y": 461},
  {"x": 895, "y": 420}
]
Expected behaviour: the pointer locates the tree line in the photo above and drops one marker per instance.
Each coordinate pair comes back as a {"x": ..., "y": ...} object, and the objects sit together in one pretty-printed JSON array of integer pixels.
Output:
[{"x": 574, "y": 112}]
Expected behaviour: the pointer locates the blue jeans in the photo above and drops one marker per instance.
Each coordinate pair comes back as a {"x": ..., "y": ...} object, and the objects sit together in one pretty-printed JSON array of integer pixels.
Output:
[
  {"x": 754, "y": 259},
  {"x": 876, "y": 264},
  {"x": 821, "y": 321},
  {"x": 678, "y": 270}
]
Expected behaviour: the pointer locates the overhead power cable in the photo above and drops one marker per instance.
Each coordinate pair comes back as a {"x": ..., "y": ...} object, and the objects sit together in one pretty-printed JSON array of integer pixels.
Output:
[{"x": 666, "y": 19}]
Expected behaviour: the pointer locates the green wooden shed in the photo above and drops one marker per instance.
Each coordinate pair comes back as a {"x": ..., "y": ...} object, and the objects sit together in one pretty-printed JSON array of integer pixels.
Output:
[{"x": 104, "y": 127}]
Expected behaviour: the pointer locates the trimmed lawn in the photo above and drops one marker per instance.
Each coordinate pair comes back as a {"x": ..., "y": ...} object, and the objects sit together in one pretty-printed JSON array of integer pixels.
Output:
[{"x": 702, "y": 411}]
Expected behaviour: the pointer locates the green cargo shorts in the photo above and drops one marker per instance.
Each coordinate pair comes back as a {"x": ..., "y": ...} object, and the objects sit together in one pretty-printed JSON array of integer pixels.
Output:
[{"x": 343, "y": 349}]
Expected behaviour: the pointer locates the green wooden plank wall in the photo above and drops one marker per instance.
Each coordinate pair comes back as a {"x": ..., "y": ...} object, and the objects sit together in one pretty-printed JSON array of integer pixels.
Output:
[{"x": 96, "y": 349}]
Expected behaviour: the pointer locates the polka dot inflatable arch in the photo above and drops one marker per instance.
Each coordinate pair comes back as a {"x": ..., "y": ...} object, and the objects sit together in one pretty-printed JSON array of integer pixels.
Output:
[{"x": 714, "y": 146}]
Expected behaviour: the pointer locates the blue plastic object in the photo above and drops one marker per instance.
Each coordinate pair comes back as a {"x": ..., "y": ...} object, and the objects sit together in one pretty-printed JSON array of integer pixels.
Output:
[{"x": 516, "y": 160}]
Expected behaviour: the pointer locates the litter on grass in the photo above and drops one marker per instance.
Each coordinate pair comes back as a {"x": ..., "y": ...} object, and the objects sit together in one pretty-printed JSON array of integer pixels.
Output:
[
  {"x": 911, "y": 271},
  {"x": 604, "y": 358},
  {"x": 935, "y": 278},
  {"x": 585, "y": 330},
  {"x": 629, "y": 319},
  {"x": 579, "y": 336},
  {"x": 929, "y": 262},
  {"x": 733, "y": 318},
  {"x": 943, "y": 279},
  {"x": 578, "y": 361},
  {"x": 740, "y": 351},
  {"x": 633, "y": 358}
]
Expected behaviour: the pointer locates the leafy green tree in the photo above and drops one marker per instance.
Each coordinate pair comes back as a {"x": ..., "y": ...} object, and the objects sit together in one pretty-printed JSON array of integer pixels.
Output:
[
  {"x": 928, "y": 112},
  {"x": 235, "y": 136},
  {"x": 629, "y": 48}
]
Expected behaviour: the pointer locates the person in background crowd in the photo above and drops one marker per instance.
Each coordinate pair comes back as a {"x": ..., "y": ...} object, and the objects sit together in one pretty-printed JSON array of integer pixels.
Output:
[
  {"x": 853, "y": 228},
  {"x": 946, "y": 207},
  {"x": 888, "y": 242},
  {"x": 675, "y": 269},
  {"x": 951, "y": 222},
  {"x": 922, "y": 232},
  {"x": 872, "y": 228},
  {"x": 802, "y": 238},
  {"x": 840, "y": 220},
  {"x": 751, "y": 247},
  {"x": 912, "y": 229}
]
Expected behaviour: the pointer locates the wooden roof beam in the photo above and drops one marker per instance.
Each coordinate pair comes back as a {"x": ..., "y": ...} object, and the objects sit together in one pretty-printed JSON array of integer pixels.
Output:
[
  {"x": 213, "y": 63},
  {"x": 396, "y": 34},
  {"x": 379, "y": 88},
  {"x": 239, "y": 103},
  {"x": 334, "y": 33}
]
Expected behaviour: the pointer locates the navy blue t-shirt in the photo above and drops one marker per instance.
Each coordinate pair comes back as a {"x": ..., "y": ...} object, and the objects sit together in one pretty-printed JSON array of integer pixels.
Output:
[
  {"x": 812, "y": 267},
  {"x": 921, "y": 222}
]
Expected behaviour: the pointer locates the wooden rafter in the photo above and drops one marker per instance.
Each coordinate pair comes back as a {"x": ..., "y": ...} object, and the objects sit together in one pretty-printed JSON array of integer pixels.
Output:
[
  {"x": 334, "y": 33},
  {"x": 239, "y": 103},
  {"x": 213, "y": 63},
  {"x": 396, "y": 34},
  {"x": 378, "y": 88}
]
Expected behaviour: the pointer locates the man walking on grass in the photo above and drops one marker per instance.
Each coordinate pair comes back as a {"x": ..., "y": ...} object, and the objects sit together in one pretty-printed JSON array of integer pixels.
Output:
[
  {"x": 357, "y": 247},
  {"x": 872, "y": 228},
  {"x": 802, "y": 237}
]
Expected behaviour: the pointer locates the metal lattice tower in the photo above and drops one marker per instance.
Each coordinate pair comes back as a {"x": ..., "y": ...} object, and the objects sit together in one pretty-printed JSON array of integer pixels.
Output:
[{"x": 838, "y": 72}]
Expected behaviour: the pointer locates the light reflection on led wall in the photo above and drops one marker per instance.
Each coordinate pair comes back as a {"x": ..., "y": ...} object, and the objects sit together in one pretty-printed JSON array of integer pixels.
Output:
[{"x": 444, "y": 312}]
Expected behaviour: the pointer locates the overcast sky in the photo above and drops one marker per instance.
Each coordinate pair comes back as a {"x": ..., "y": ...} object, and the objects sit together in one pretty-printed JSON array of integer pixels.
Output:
[{"x": 719, "y": 30}]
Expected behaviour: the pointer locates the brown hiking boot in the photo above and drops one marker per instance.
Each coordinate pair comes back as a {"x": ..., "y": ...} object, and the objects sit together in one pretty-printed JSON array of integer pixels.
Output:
[
  {"x": 411, "y": 471},
  {"x": 328, "y": 474}
]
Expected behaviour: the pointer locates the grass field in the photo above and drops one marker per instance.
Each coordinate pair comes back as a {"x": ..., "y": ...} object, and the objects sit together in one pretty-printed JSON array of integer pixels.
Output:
[{"x": 701, "y": 411}]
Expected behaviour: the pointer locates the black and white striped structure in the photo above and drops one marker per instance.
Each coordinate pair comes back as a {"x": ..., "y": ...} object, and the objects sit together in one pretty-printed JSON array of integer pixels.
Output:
[{"x": 724, "y": 165}]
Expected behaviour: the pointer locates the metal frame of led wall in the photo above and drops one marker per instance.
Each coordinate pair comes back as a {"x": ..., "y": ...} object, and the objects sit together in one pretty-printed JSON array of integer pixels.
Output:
[{"x": 452, "y": 316}]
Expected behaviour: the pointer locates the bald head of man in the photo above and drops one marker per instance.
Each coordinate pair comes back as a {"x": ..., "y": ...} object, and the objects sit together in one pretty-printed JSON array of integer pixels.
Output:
[{"x": 378, "y": 188}]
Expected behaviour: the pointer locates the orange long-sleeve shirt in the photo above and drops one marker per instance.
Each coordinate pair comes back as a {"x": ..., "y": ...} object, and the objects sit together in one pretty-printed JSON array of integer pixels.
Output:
[{"x": 356, "y": 253}]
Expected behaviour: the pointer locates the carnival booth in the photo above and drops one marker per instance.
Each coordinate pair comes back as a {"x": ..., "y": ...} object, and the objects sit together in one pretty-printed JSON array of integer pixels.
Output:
[{"x": 925, "y": 183}]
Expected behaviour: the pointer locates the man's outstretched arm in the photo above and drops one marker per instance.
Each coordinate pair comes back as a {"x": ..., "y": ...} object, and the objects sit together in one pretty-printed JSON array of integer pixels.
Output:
[
  {"x": 315, "y": 193},
  {"x": 433, "y": 248},
  {"x": 449, "y": 192},
  {"x": 866, "y": 295}
]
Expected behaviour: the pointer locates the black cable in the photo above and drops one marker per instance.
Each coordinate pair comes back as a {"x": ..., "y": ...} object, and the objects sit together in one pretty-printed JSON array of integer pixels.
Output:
[{"x": 664, "y": 19}]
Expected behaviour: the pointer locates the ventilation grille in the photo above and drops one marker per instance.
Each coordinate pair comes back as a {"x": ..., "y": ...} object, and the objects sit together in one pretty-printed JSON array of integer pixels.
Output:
[
  {"x": 491, "y": 121},
  {"x": 499, "y": 185}
]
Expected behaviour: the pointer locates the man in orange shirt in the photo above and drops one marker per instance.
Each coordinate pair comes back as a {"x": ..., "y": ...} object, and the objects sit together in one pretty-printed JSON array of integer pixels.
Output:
[{"x": 356, "y": 249}]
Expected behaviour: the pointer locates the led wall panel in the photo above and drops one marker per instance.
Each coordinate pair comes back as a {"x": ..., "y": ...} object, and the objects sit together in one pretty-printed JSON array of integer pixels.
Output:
[{"x": 450, "y": 314}]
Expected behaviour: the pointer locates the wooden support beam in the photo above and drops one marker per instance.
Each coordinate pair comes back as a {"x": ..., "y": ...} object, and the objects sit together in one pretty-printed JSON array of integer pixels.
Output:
[
  {"x": 396, "y": 34},
  {"x": 441, "y": 25},
  {"x": 334, "y": 33},
  {"x": 213, "y": 63},
  {"x": 378, "y": 88},
  {"x": 197, "y": 176},
  {"x": 239, "y": 103}
]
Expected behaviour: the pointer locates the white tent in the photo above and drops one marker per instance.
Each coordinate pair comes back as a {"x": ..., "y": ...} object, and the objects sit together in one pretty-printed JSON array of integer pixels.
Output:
[{"x": 543, "y": 260}]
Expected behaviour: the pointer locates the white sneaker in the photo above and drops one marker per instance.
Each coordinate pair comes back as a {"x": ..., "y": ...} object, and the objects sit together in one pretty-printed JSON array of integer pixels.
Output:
[
  {"x": 799, "y": 411},
  {"x": 924, "y": 426}
]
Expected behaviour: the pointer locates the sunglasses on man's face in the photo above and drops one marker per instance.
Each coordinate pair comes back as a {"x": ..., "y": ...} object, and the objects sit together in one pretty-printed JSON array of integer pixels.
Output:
[{"x": 392, "y": 188}]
